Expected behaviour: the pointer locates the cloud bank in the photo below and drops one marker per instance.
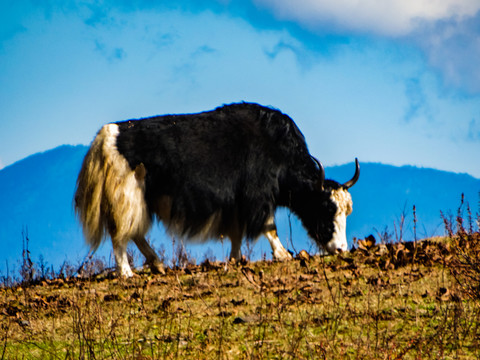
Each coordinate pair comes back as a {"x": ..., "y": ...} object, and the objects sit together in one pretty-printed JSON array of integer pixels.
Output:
[
  {"x": 446, "y": 31},
  {"x": 381, "y": 17},
  {"x": 452, "y": 46}
]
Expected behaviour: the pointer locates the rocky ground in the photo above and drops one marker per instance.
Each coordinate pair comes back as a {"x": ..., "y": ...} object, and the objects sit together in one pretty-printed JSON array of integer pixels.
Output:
[{"x": 415, "y": 300}]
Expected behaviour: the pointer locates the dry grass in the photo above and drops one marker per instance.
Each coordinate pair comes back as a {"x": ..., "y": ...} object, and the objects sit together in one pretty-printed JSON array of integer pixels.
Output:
[
  {"x": 378, "y": 302},
  {"x": 394, "y": 300}
]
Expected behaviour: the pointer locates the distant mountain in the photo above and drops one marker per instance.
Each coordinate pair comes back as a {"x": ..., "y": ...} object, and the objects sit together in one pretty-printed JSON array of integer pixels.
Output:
[{"x": 36, "y": 200}]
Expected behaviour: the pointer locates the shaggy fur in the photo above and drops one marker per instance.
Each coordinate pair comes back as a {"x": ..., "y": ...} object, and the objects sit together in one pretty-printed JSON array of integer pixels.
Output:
[
  {"x": 110, "y": 195},
  {"x": 208, "y": 175}
]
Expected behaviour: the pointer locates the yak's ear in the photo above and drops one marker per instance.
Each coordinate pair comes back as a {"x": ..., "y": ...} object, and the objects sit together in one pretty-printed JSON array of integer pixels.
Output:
[
  {"x": 352, "y": 182},
  {"x": 321, "y": 175}
]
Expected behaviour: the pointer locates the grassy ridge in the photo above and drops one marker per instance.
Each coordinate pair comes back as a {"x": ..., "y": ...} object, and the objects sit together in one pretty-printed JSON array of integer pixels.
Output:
[{"x": 377, "y": 302}]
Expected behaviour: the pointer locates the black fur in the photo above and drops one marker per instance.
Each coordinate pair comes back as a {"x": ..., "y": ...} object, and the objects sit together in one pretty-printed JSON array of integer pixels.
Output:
[{"x": 244, "y": 160}]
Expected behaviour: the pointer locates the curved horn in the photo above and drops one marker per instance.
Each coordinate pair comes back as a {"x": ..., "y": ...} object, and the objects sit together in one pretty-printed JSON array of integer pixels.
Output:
[
  {"x": 321, "y": 178},
  {"x": 352, "y": 182}
]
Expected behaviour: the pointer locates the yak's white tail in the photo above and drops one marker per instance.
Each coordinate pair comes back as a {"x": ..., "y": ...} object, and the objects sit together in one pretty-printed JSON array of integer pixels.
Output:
[{"x": 110, "y": 195}]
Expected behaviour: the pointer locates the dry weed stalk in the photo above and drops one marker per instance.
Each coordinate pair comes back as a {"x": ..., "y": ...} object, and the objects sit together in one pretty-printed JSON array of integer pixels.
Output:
[{"x": 465, "y": 267}]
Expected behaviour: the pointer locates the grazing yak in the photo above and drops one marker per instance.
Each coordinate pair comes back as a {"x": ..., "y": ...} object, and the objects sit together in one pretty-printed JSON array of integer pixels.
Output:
[{"x": 207, "y": 175}]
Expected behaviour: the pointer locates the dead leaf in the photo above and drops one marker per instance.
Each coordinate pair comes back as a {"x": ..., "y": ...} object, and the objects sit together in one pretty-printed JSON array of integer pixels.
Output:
[
  {"x": 307, "y": 289},
  {"x": 111, "y": 297},
  {"x": 249, "y": 273},
  {"x": 303, "y": 255},
  {"x": 443, "y": 294},
  {"x": 381, "y": 250},
  {"x": 367, "y": 243},
  {"x": 237, "y": 302},
  {"x": 246, "y": 319}
]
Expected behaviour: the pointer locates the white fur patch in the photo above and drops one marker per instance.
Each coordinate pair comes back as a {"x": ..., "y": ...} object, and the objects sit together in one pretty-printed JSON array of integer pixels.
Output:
[
  {"x": 110, "y": 196},
  {"x": 343, "y": 201},
  {"x": 279, "y": 252},
  {"x": 123, "y": 191}
]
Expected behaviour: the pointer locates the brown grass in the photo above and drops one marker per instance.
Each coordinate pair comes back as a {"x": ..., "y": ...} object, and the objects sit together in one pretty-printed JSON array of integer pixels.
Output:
[{"x": 390, "y": 301}]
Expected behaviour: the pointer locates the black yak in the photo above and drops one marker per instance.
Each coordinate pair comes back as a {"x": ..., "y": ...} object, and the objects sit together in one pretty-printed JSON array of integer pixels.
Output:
[{"x": 214, "y": 174}]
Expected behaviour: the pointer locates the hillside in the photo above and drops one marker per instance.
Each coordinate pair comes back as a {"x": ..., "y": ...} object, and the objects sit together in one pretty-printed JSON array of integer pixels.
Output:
[
  {"x": 36, "y": 199},
  {"x": 399, "y": 301}
]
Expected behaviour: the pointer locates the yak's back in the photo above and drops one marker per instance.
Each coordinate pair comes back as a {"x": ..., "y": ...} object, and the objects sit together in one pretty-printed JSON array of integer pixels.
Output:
[{"x": 229, "y": 161}]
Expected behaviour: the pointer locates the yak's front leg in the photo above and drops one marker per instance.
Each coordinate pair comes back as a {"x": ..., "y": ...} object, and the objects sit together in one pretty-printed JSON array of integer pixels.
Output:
[{"x": 270, "y": 232}]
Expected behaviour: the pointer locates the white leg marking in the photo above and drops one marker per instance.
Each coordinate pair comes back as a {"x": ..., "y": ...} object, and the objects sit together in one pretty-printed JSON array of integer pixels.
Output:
[
  {"x": 279, "y": 252},
  {"x": 120, "y": 252}
]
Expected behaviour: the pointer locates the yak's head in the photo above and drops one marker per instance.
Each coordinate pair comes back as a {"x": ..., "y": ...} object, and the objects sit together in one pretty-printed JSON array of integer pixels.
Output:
[{"x": 327, "y": 208}]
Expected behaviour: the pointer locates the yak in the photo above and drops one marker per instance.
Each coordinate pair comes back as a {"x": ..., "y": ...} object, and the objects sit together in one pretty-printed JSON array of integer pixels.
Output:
[{"x": 214, "y": 174}]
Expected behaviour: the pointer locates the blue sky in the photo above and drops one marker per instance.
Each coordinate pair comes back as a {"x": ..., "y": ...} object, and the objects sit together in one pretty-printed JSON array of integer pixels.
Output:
[{"x": 389, "y": 81}]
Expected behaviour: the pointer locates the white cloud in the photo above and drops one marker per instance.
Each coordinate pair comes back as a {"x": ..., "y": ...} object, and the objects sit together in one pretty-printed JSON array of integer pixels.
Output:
[
  {"x": 446, "y": 31},
  {"x": 381, "y": 17},
  {"x": 453, "y": 47}
]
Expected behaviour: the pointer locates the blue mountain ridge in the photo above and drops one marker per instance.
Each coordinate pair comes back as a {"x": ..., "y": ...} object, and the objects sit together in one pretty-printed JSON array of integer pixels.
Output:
[{"x": 36, "y": 201}]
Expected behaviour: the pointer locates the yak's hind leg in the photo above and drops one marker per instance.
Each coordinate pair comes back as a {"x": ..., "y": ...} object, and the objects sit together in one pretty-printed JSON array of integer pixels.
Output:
[
  {"x": 151, "y": 258},
  {"x": 121, "y": 258},
  {"x": 279, "y": 252},
  {"x": 236, "y": 252},
  {"x": 235, "y": 234}
]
